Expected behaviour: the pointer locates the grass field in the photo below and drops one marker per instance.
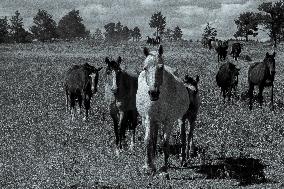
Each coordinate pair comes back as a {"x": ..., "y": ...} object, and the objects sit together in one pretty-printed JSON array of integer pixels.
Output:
[{"x": 41, "y": 148}]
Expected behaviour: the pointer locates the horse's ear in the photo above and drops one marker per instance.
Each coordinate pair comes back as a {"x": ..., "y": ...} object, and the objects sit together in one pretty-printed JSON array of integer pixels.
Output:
[
  {"x": 119, "y": 60},
  {"x": 267, "y": 54},
  {"x": 99, "y": 69},
  {"x": 107, "y": 60},
  {"x": 197, "y": 79},
  {"x": 161, "y": 50},
  {"x": 146, "y": 51},
  {"x": 274, "y": 54}
]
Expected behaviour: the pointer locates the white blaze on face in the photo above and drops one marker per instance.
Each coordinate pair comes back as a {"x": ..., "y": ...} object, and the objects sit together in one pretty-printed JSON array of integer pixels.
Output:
[
  {"x": 114, "y": 83},
  {"x": 93, "y": 76},
  {"x": 191, "y": 87}
]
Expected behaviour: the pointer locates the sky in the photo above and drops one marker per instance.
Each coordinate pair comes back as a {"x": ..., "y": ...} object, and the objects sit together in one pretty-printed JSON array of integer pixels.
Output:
[{"x": 190, "y": 15}]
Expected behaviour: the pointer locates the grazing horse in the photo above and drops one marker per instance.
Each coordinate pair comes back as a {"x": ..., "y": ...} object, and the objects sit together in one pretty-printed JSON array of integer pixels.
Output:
[
  {"x": 190, "y": 115},
  {"x": 236, "y": 50},
  {"x": 227, "y": 79},
  {"x": 261, "y": 74},
  {"x": 80, "y": 84},
  {"x": 120, "y": 95},
  {"x": 222, "y": 50},
  {"x": 162, "y": 98}
]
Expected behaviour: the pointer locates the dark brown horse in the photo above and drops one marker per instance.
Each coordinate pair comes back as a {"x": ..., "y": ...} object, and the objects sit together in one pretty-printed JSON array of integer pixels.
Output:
[
  {"x": 261, "y": 74},
  {"x": 227, "y": 79},
  {"x": 120, "y": 95}
]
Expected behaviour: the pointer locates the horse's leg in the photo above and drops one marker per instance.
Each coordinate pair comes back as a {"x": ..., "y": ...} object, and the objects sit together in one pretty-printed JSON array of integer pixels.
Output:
[
  {"x": 250, "y": 92},
  {"x": 67, "y": 101},
  {"x": 87, "y": 107},
  {"x": 190, "y": 144},
  {"x": 150, "y": 144},
  {"x": 181, "y": 123},
  {"x": 272, "y": 105},
  {"x": 224, "y": 94},
  {"x": 166, "y": 137},
  {"x": 134, "y": 123},
  {"x": 122, "y": 123},
  {"x": 72, "y": 106},
  {"x": 80, "y": 99},
  {"x": 113, "y": 114},
  {"x": 260, "y": 97},
  {"x": 229, "y": 93}
]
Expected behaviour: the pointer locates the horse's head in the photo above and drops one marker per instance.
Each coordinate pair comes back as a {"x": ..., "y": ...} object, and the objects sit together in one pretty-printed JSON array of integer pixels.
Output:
[
  {"x": 191, "y": 83},
  {"x": 269, "y": 60},
  {"x": 94, "y": 75},
  {"x": 154, "y": 69},
  {"x": 113, "y": 72}
]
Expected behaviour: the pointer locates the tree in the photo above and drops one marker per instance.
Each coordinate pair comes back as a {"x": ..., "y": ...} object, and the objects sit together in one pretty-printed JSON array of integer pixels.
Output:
[
  {"x": 98, "y": 36},
  {"x": 4, "y": 27},
  {"x": 273, "y": 18},
  {"x": 70, "y": 26},
  {"x": 18, "y": 33},
  {"x": 168, "y": 34},
  {"x": 110, "y": 32},
  {"x": 118, "y": 31},
  {"x": 209, "y": 32},
  {"x": 136, "y": 35},
  {"x": 247, "y": 24},
  {"x": 45, "y": 27},
  {"x": 159, "y": 22},
  {"x": 177, "y": 34}
]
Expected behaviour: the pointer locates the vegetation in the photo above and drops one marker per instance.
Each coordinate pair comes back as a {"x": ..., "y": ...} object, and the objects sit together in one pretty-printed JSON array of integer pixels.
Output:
[
  {"x": 70, "y": 26},
  {"x": 158, "y": 21},
  {"x": 273, "y": 19},
  {"x": 43, "y": 149},
  {"x": 209, "y": 32},
  {"x": 44, "y": 28},
  {"x": 247, "y": 24}
]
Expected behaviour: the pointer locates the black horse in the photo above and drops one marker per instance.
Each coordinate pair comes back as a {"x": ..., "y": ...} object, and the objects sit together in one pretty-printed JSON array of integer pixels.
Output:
[{"x": 261, "y": 74}]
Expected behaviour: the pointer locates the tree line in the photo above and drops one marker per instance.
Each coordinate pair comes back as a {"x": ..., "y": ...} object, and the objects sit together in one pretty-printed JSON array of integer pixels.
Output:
[
  {"x": 71, "y": 26},
  {"x": 44, "y": 28},
  {"x": 270, "y": 16}
]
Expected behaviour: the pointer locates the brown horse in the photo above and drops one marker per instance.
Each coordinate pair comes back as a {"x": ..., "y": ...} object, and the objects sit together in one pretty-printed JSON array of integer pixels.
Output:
[
  {"x": 120, "y": 95},
  {"x": 261, "y": 74}
]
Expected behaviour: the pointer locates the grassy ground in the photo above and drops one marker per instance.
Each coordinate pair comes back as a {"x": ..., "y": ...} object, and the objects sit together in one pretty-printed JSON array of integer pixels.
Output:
[{"x": 41, "y": 148}]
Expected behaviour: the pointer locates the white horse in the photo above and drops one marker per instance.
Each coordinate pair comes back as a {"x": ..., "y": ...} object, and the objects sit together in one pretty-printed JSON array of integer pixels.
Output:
[{"x": 162, "y": 98}]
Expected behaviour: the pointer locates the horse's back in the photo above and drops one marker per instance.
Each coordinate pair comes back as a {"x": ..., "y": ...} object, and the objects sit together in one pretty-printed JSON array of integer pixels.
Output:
[{"x": 256, "y": 73}]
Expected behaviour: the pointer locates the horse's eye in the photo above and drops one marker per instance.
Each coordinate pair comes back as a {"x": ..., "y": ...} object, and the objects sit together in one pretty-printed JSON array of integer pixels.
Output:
[
  {"x": 145, "y": 69},
  {"x": 108, "y": 72}
]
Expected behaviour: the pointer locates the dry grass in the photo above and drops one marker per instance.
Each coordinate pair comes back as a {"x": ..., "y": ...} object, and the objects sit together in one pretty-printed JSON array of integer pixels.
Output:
[{"x": 41, "y": 148}]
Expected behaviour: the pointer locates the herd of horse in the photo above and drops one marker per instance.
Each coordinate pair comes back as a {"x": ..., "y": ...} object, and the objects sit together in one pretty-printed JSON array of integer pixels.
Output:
[{"x": 159, "y": 96}]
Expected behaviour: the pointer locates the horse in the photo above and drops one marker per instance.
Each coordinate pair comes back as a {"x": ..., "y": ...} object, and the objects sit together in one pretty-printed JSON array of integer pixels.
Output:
[
  {"x": 120, "y": 95},
  {"x": 236, "y": 50},
  {"x": 162, "y": 98},
  {"x": 261, "y": 74},
  {"x": 222, "y": 50},
  {"x": 153, "y": 41},
  {"x": 190, "y": 116},
  {"x": 80, "y": 84},
  {"x": 227, "y": 79}
]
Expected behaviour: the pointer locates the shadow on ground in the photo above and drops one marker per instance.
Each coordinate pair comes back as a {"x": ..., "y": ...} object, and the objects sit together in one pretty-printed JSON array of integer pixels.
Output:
[{"x": 246, "y": 170}]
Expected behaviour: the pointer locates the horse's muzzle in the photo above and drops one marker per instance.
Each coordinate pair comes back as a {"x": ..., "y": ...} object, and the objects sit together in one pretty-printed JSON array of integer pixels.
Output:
[{"x": 154, "y": 95}]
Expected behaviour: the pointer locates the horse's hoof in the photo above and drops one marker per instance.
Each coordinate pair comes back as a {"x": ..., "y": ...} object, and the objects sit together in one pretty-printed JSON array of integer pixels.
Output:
[
  {"x": 149, "y": 170},
  {"x": 85, "y": 119},
  {"x": 163, "y": 169},
  {"x": 164, "y": 175},
  {"x": 117, "y": 152}
]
